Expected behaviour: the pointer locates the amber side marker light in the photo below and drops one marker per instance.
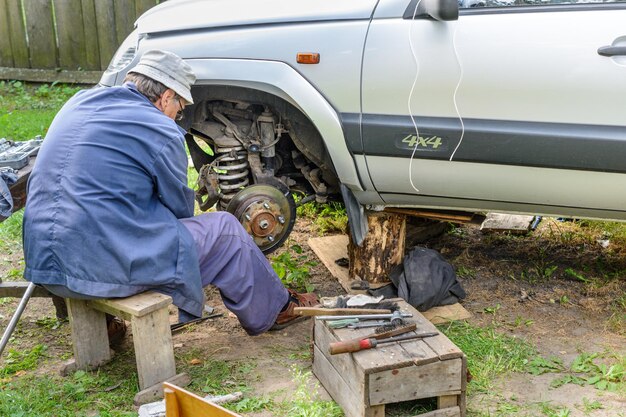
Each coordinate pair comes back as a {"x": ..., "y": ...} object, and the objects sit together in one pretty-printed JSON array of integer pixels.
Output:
[{"x": 308, "y": 58}]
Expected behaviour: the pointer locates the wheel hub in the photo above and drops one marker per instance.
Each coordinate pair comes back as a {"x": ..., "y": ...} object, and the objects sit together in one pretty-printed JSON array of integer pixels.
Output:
[{"x": 267, "y": 214}]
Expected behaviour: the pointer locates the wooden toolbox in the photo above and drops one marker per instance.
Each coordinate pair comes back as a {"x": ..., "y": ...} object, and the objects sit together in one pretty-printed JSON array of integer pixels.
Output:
[{"x": 363, "y": 382}]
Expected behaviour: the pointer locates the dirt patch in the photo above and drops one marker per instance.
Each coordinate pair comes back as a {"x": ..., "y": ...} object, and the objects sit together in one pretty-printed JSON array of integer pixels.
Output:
[{"x": 559, "y": 293}]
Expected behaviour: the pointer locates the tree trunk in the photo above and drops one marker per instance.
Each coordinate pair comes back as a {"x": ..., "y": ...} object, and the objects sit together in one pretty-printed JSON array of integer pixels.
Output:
[{"x": 382, "y": 249}]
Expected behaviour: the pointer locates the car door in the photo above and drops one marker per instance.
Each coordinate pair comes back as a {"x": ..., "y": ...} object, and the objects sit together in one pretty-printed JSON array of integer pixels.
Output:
[{"x": 510, "y": 107}]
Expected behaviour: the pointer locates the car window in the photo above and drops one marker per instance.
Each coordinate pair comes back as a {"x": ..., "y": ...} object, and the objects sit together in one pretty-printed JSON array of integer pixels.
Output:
[{"x": 465, "y": 4}]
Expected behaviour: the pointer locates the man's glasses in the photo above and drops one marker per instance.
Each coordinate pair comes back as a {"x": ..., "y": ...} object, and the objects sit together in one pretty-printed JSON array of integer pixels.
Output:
[{"x": 181, "y": 107}]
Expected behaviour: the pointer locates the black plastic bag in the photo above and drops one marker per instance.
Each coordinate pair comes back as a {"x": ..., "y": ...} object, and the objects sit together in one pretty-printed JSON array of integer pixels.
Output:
[{"x": 424, "y": 279}]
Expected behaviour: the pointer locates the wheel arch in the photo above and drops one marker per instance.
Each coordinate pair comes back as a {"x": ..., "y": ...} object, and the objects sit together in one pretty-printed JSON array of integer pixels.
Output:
[{"x": 280, "y": 83}]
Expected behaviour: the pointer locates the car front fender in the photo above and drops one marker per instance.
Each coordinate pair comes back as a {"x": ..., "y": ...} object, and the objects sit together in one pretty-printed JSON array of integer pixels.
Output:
[{"x": 283, "y": 81}]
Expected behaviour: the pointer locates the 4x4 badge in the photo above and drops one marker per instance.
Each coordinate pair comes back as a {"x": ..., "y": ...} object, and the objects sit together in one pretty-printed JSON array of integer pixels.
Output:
[{"x": 413, "y": 141}]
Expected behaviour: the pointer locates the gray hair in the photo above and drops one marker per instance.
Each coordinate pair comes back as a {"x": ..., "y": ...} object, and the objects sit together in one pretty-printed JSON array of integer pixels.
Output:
[{"x": 147, "y": 86}]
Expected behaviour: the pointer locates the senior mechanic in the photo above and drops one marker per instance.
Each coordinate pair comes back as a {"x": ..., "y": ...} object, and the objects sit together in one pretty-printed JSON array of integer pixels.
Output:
[{"x": 109, "y": 213}]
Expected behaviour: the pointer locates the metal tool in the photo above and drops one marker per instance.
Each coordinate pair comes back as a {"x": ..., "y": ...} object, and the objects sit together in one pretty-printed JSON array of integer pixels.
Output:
[
  {"x": 178, "y": 326},
  {"x": 360, "y": 343},
  {"x": 370, "y": 343},
  {"x": 407, "y": 337},
  {"x": 365, "y": 317},
  {"x": 16, "y": 316},
  {"x": 346, "y": 312},
  {"x": 366, "y": 324}
]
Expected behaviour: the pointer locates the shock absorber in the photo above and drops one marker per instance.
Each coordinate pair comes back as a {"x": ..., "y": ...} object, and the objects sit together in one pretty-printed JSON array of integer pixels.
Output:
[{"x": 232, "y": 168}]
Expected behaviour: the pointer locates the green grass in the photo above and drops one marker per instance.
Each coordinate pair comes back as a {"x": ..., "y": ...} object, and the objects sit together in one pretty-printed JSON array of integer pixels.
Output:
[
  {"x": 26, "y": 110},
  {"x": 82, "y": 394},
  {"x": 328, "y": 217},
  {"x": 305, "y": 401},
  {"x": 489, "y": 353},
  {"x": 22, "y": 360},
  {"x": 11, "y": 228}
]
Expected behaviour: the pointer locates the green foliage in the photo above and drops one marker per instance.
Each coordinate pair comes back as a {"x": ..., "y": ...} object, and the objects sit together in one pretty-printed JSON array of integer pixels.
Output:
[
  {"x": 492, "y": 310},
  {"x": 576, "y": 275},
  {"x": 304, "y": 402},
  {"x": 588, "y": 406},
  {"x": 26, "y": 110},
  {"x": 465, "y": 272},
  {"x": 83, "y": 394},
  {"x": 292, "y": 267},
  {"x": 551, "y": 411},
  {"x": 489, "y": 353},
  {"x": 24, "y": 360},
  {"x": 327, "y": 217},
  {"x": 251, "y": 404},
  {"x": 11, "y": 228},
  {"x": 216, "y": 377},
  {"x": 50, "y": 323},
  {"x": 584, "y": 370},
  {"x": 539, "y": 365}
]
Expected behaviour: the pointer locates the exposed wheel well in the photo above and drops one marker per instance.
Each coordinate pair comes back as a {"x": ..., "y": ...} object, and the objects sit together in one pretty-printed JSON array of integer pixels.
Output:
[{"x": 301, "y": 130}]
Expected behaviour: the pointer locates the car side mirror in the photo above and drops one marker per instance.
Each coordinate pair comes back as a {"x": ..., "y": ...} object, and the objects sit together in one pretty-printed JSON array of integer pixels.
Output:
[{"x": 442, "y": 10}]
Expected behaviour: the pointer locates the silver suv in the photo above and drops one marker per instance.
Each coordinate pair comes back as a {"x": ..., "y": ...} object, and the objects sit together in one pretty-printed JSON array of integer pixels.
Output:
[{"x": 516, "y": 106}]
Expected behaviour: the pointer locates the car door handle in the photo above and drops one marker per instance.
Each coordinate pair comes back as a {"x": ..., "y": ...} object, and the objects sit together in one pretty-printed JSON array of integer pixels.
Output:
[{"x": 610, "y": 50}]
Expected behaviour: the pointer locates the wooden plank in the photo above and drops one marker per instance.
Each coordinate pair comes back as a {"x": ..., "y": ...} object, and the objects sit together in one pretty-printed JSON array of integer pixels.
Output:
[
  {"x": 124, "y": 18},
  {"x": 48, "y": 76},
  {"x": 344, "y": 364},
  {"x": 446, "y": 314},
  {"x": 90, "y": 31},
  {"x": 446, "y": 412},
  {"x": 445, "y": 401},
  {"x": 190, "y": 404},
  {"x": 135, "y": 306},
  {"x": 374, "y": 411},
  {"x": 443, "y": 347},
  {"x": 6, "y": 53},
  {"x": 507, "y": 223},
  {"x": 443, "y": 215},
  {"x": 70, "y": 34},
  {"x": 154, "y": 352},
  {"x": 17, "y": 289},
  {"x": 372, "y": 360},
  {"x": 334, "y": 383},
  {"x": 420, "y": 352},
  {"x": 142, "y": 6},
  {"x": 155, "y": 392},
  {"x": 105, "y": 24},
  {"x": 42, "y": 46},
  {"x": 89, "y": 335},
  {"x": 435, "y": 379},
  {"x": 330, "y": 248},
  {"x": 17, "y": 34}
]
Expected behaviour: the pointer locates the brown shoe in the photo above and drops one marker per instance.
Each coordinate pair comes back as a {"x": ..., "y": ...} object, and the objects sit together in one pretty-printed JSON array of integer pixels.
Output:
[{"x": 287, "y": 317}]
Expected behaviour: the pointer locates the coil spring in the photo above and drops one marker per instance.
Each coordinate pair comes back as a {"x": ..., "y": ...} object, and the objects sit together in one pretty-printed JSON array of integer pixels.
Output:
[{"x": 232, "y": 167}]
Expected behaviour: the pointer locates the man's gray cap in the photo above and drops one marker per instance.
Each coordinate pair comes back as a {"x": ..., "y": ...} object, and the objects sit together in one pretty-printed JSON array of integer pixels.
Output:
[{"x": 169, "y": 69}]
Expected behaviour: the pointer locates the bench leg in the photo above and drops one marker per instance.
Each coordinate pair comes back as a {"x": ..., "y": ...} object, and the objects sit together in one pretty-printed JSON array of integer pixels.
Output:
[
  {"x": 89, "y": 335},
  {"x": 153, "y": 348},
  {"x": 374, "y": 411}
]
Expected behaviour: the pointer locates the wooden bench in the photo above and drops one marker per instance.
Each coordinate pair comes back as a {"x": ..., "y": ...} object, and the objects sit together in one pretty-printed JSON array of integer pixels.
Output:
[
  {"x": 149, "y": 318},
  {"x": 363, "y": 382}
]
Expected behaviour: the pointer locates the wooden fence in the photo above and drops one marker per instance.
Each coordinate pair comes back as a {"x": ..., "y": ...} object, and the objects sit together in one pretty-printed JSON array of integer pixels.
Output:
[{"x": 63, "y": 40}]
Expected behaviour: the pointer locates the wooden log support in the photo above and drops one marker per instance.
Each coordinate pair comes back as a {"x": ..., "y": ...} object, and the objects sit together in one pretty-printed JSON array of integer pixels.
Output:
[{"x": 382, "y": 249}]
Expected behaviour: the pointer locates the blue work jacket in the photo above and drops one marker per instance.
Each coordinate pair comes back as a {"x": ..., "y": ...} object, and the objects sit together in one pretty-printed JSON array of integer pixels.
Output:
[{"x": 104, "y": 196}]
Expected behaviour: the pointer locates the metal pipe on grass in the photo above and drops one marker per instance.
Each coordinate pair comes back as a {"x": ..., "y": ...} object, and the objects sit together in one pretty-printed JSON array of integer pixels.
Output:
[{"x": 16, "y": 317}]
